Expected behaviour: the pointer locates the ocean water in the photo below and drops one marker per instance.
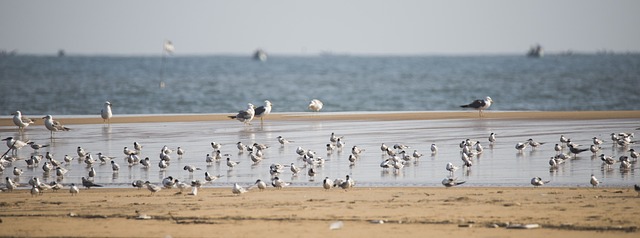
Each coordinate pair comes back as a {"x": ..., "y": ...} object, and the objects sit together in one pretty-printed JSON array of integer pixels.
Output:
[{"x": 79, "y": 85}]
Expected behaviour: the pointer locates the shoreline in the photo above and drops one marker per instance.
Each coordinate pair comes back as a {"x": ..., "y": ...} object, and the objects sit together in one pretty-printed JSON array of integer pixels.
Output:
[
  {"x": 369, "y": 116},
  {"x": 363, "y": 211}
]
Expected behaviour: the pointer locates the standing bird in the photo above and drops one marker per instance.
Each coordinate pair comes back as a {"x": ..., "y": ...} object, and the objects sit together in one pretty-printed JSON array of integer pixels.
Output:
[
  {"x": 106, "y": 113},
  {"x": 21, "y": 121},
  {"x": 315, "y": 105},
  {"x": 260, "y": 185},
  {"x": 492, "y": 137},
  {"x": 73, "y": 189},
  {"x": 327, "y": 183},
  {"x": 594, "y": 181},
  {"x": 479, "y": 105},
  {"x": 264, "y": 110},
  {"x": 14, "y": 144},
  {"x": 152, "y": 187},
  {"x": 245, "y": 116},
  {"x": 434, "y": 148},
  {"x": 88, "y": 184},
  {"x": 231, "y": 163},
  {"x": 53, "y": 125}
]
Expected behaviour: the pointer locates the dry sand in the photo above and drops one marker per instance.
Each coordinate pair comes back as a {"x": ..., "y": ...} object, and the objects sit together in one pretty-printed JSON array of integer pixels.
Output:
[{"x": 309, "y": 212}]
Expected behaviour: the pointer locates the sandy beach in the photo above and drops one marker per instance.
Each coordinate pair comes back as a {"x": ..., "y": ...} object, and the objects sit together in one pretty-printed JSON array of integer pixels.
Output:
[
  {"x": 309, "y": 212},
  {"x": 542, "y": 115}
]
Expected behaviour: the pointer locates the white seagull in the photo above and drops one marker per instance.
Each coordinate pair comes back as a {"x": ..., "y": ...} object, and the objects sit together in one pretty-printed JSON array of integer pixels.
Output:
[
  {"x": 315, "y": 105},
  {"x": 73, "y": 189},
  {"x": 492, "y": 137},
  {"x": 53, "y": 125},
  {"x": 245, "y": 116},
  {"x": 264, "y": 110},
  {"x": 327, "y": 183},
  {"x": 106, "y": 113},
  {"x": 479, "y": 105},
  {"x": 14, "y": 144},
  {"x": 279, "y": 183},
  {"x": 231, "y": 163},
  {"x": 259, "y": 184},
  {"x": 594, "y": 181},
  {"x": 237, "y": 189},
  {"x": 152, "y": 187},
  {"x": 537, "y": 181},
  {"x": 21, "y": 121}
]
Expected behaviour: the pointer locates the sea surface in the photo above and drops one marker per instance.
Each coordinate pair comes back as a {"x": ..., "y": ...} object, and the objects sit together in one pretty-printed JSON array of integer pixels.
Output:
[{"x": 79, "y": 85}]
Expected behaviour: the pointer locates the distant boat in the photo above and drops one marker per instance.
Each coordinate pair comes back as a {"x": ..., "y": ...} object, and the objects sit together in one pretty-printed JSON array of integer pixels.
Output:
[
  {"x": 61, "y": 53},
  {"x": 260, "y": 55},
  {"x": 536, "y": 52}
]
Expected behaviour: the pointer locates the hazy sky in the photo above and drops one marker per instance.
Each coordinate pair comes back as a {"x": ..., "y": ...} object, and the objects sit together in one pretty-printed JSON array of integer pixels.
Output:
[{"x": 308, "y": 27}]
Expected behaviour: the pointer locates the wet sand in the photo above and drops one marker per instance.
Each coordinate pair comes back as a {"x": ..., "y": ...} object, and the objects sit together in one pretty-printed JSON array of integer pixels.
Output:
[{"x": 309, "y": 212}]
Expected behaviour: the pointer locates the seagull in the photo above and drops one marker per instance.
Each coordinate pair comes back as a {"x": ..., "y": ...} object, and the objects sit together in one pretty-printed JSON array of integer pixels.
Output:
[
  {"x": 451, "y": 168},
  {"x": 17, "y": 171},
  {"x": 92, "y": 172},
  {"x": 106, "y": 113},
  {"x": 137, "y": 184},
  {"x": 190, "y": 168},
  {"x": 554, "y": 162},
  {"x": 557, "y": 148},
  {"x": 492, "y": 137},
  {"x": 11, "y": 185},
  {"x": 260, "y": 185},
  {"x": 283, "y": 141},
  {"x": 240, "y": 147},
  {"x": 168, "y": 182},
  {"x": 21, "y": 121},
  {"x": 575, "y": 150},
  {"x": 597, "y": 141},
  {"x": 35, "y": 146},
  {"x": 355, "y": 150},
  {"x": 88, "y": 184},
  {"x": 434, "y": 149},
  {"x": 53, "y": 125},
  {"x": 479, "y": 105},
  {"x": 294, "y": 169},
  {"x": 14, "y": 144},
  {"x": 346, "y": 184},
  {"x": 231, "y": 163},
  {"x": 55, "y": 186},
  {"x": 634, "y": 154},
  {"x": 137, "y": 146},
  {"x": 115, "y": 167},
  {"x": 245, "y": 116},
  {"x": 594, "y": 181},
  {"x": 182, "y": 186},
  {"x": 537, "y": 181},
  {"x": 152, "y": 187},
  {"x": 521, "y": 146},
  {"x": 450, "y": 182},
  {"x": 237, "y": 189},
  {"x": 217, "y": 146},
  {"x": 210, "y": 178},
  {"x": 315, "y": 105},
  {"x": 81, "y": 152},
  {"x": 262, "y": 111},
  {"x": 607, "y": 160},
  {"x": 594, "y": 149},
  {"x": 637, "y": 188},
  {"x": 180, "y": 152},
  {"x": 60, "y": 172},
  {"x": 534, "y": 144},
  {"x": 327, "y": 183},
  {"x": 278, "y": 183},
  {"x": 564, "y": 140},
  {"x": 73, "y": 189}
]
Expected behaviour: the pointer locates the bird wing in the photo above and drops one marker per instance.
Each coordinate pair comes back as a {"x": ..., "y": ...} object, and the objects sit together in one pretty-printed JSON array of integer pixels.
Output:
[{"x": 476, "y": 104}]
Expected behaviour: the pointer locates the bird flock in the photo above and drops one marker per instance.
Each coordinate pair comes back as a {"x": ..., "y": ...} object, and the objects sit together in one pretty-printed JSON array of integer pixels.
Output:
[{"x": 309, "y": 162}]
